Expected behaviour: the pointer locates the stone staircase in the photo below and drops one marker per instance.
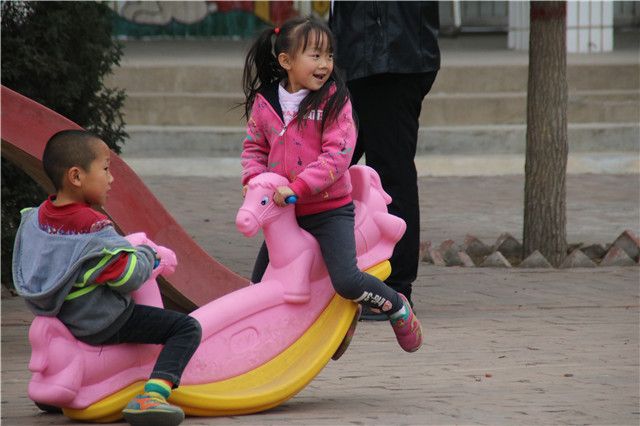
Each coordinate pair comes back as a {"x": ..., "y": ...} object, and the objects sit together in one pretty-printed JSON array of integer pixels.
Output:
[{"x": 183, "y": 100}]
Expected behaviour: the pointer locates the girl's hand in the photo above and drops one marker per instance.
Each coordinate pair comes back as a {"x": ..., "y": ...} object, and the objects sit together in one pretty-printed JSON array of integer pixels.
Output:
[
  {"x": 282, "y": 192},
  {"x": 244, "y": 190}
]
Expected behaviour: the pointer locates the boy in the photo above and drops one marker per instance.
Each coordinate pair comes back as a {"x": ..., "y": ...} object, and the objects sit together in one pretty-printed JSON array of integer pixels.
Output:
[{"x": 69, "y": 262}]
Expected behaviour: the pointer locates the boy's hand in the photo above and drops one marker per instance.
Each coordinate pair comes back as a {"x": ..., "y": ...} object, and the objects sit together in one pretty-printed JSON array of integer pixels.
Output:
[
  {"x": 168, "y": 260},
  {"x": 156, "y": 258},
  {"x": 282, "y": 192}
]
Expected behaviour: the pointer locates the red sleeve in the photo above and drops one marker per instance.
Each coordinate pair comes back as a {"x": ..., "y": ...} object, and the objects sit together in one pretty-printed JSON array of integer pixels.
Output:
[
  {"x": 300, "y": 188},
  {"x": 115, "y": 270}
]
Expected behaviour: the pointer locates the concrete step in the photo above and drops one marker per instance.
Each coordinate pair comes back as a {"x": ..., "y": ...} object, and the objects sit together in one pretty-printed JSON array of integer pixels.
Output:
[
  {"x": 439, "y": 109},
  {"x": 177, "y": 78},
  {"x": 226, "y": 141},
  {"x": 513, "y": 78},
  {"x": 511, "y": 107},
  {"x": 183, "y": 97},
  {"x": 453, "y": 78}
]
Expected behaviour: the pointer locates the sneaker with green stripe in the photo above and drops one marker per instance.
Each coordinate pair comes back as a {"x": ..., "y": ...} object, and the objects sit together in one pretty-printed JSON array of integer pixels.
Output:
[
  {"x": 152, "y": 409},
  {"x": 407, "y": 328}
]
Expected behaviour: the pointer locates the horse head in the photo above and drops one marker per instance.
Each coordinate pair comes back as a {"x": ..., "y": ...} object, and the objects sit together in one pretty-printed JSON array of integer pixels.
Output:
[{"x": 258, "y": 209}]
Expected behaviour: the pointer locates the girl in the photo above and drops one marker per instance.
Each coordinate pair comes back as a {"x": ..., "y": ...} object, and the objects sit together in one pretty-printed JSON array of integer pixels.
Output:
[{"x": 301, "y": 126}]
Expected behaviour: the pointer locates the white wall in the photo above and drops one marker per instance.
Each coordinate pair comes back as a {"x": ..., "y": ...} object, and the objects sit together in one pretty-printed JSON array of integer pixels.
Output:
[{"x": 589, "y": 26}]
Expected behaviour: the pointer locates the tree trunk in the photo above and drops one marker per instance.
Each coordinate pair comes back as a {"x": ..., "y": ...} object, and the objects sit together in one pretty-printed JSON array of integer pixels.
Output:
[{"x": 547, "y": 148}]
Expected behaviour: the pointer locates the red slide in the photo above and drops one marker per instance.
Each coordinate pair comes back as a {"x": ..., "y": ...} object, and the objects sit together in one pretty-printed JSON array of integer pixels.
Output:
[{"x": 198, "y": 279}]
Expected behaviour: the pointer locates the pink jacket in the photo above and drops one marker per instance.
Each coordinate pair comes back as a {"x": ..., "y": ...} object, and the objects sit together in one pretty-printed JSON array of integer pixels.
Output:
[{"x": 314, "y": 161}]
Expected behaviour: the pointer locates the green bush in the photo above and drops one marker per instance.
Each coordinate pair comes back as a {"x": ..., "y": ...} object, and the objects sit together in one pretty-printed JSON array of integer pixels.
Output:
[{"x": 57, "y": 53}]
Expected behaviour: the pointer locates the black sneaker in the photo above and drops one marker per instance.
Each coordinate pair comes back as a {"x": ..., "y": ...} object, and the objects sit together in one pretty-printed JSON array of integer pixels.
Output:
[{"x": 368, "y": 315}]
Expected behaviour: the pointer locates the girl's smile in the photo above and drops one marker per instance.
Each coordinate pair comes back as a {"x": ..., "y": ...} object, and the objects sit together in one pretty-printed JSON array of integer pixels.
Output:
[{"x": 309, "y": 68}]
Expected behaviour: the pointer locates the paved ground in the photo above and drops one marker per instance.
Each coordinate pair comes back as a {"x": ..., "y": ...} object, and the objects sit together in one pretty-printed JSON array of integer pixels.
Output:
[
  {"x": 599, "y": 208},
  {"x": 503, "y": 346}
]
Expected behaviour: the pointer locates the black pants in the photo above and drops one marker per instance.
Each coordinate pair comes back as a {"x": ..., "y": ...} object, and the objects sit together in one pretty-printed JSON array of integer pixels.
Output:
[
  {"x": 388, "y": 107},
  {"x": 179, "y": 333}
]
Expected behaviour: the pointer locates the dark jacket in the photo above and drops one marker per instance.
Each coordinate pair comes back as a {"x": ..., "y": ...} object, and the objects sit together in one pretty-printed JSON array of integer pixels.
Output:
[{"x": 375, "y": 37}]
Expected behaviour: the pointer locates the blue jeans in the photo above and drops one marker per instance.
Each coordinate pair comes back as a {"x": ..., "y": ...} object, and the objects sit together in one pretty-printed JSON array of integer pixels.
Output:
[{"x": 179, "y": 333}]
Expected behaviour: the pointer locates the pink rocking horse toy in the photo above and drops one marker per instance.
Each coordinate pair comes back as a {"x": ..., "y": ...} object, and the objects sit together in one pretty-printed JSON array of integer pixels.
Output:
[
  {"x": 289, "y": 245},
  {"x": 260, "y": 345}
]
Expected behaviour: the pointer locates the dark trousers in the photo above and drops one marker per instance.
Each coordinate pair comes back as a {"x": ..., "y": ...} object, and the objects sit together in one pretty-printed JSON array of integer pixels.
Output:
[
  {"x": 388, "y": 107},
  {"x": 333, "y": 230},
  {"x": 179, "y": 333}
]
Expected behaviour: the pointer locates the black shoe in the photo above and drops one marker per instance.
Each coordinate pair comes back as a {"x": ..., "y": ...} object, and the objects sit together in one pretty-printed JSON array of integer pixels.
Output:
[{"x": 368, "y": 315}]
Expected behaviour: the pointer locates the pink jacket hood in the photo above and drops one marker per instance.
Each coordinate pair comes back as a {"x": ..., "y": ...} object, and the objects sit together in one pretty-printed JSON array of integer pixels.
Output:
[{"x": 314, "y": 161}]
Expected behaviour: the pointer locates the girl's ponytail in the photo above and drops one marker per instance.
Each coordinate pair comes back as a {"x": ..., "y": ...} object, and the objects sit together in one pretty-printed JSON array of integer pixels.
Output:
[{"x": 260, "y": 67}]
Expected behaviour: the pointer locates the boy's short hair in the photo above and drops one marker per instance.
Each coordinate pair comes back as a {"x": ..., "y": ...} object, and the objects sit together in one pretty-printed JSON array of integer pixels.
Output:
[{"x": 66, "y": 149}]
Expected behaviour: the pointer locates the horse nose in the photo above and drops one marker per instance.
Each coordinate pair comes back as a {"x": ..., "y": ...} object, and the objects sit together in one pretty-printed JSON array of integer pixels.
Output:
[
  {"x": 246, "y": 222},
  {"x": 242, "y": 220}
]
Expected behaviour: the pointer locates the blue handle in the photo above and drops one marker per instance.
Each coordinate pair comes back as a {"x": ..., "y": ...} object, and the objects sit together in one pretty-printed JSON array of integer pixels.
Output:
[{"x": 291, "y": 199}]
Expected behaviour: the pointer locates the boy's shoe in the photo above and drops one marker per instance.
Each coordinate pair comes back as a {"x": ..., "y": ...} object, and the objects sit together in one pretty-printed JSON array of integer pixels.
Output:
[
  {"x": 151, "y": 409},
  {"x": 408, "y": 331}
]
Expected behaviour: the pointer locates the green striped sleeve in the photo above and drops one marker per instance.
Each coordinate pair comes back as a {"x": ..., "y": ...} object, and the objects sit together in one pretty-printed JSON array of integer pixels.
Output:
[
  {"x": 108, "y": 255},
  {"x": 81, "y": 292},
  {"x": 131, "y": 266}
]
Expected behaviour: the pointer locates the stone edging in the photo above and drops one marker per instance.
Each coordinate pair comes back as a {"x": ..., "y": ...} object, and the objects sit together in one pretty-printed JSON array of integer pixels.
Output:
[{"x": 506, "y": 252}]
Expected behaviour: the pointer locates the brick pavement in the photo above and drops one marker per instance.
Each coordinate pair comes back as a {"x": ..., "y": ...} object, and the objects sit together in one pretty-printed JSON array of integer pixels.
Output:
[
  {"x": 503, "y": 346},
  {"x": 599, "y": 208}
]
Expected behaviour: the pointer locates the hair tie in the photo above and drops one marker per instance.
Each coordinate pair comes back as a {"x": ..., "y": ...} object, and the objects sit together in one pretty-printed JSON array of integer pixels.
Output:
[{"x": 276, "y": 30}]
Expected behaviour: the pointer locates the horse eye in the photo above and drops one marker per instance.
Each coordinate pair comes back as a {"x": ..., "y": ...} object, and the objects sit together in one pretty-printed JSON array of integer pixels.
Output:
[{"x": 264, "y": 200}]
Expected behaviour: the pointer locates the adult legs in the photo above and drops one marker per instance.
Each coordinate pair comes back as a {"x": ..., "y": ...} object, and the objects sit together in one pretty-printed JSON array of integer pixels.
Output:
[{"x": 388, "y": 108}]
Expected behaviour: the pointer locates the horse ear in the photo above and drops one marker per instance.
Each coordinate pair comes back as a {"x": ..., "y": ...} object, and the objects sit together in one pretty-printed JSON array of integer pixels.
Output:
[
  {"x": 361, "y": 181},
  {"x": 377, "y": 184}
]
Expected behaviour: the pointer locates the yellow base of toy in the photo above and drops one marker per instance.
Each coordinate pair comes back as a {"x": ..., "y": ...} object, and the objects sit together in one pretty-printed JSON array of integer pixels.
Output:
[{"x": 265, "y": 387}]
